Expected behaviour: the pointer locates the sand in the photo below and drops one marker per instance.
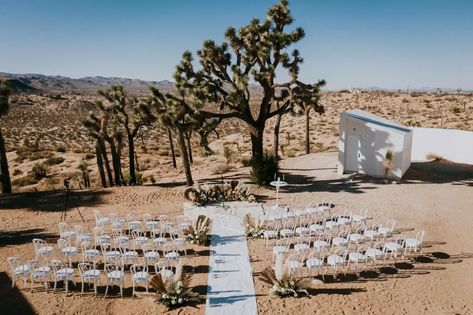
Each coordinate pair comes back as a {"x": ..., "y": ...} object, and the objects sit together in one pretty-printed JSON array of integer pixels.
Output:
[{"x": 441, "y": 285}]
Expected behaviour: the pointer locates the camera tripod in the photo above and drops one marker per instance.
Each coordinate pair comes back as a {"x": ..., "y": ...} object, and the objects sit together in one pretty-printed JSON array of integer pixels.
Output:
[{"x": 69, "y": 196}]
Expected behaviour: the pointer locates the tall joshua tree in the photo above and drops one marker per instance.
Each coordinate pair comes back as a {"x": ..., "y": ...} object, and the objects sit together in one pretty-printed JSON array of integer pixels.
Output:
[
  {"x": 256, "y": 52},
  {"x": 133, "y": 114},
  {"x": 304, "y": 104},
  {"x": 173, "y": 112},
  {"x": 4, "y": 107}
]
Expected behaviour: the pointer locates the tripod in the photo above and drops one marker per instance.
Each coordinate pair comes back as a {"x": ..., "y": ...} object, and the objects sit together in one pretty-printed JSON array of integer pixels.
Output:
[{"x": 68, "y": 195}]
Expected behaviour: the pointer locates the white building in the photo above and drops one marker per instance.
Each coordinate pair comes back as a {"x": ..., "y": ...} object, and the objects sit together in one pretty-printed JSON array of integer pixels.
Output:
[{"x": 364, "y": 140}]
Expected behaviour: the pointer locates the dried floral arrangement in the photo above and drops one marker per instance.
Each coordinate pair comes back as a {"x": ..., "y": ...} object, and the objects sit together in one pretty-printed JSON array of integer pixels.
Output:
[
  {"x": 283, "y": 282},
  {"x": 198, "y": 232},
  {"x": 174, "y": 291},
  {"x": 254, "y": 227},
  {"x": 228, "y": 191}
]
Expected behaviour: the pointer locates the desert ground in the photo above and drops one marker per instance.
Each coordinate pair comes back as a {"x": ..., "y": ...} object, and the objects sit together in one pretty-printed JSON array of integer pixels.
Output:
[{"x": 433, "y": 195}]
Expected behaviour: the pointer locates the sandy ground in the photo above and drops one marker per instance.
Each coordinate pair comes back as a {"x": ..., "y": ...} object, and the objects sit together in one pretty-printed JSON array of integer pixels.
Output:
[
  {"x": 432, "y": 285},
  {"x": 441, "y": 283},
  {"x": 24, "y": 217}
]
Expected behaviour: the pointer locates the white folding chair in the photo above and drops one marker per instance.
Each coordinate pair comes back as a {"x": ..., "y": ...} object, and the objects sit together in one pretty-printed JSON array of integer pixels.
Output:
[
  {"x": 393, "y": 249},
  {"x": 39, "y": 271},
  {"x": 139, "y": 274},
  {"x": 361, "y": 217},
  {"x": 149, "y": 222},
  {"x": 90, "y": 275},
  {"x": 150, "y": 254},
  {"x": 315, "y": 260},
  {"x": 337, "y": 261},
  {"x": 82, "y": 235},
  {"x": 356, "y": 257},
  {"x": 281, "y": 247},
  {"x": 387, "y": 230},
  {"x": 374, "y": 253},
  {"x": 133, "y": 223},
  {"x": 65, "y": 232},
  {"x": 99, "y": 219},
  {"x": 61, "y": 272},
  {"x": 129, "y": 254},
  {"x": 89, "y": 253},
  {"x": 115, "y": 275},
  {"x": 170, "y": 252},
  {"x": 110, "y": 255},
  {"x": 415, "y": 244},
  {"x": 42, "y": 249},
  {"x": 66, "y": 249},
  {"x": 19, "y": 270}
]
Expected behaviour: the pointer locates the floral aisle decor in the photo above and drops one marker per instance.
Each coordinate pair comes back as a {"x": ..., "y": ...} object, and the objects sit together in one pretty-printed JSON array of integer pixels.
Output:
[
  {"x": 228, "y": 191},
  {"x": 173, "y": 292},
  {"x": 283, "y": 283},
  {"x": 198, "y": 232},
  {"x": 254, "y": 227}
]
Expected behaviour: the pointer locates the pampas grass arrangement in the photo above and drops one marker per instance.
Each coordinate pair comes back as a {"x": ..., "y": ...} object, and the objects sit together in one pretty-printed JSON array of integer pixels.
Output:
[
  {"x": 198, "y": 233},
  {"x": 173, "y": 292},
  {"x": 254, "y": 227},
  {"x": 283, "y": 283}
]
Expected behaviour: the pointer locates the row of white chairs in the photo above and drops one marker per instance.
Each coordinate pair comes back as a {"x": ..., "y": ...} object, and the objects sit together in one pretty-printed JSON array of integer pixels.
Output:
[
  {"x": 321, "y": 253},
  {"x": 57, "y": 271}
]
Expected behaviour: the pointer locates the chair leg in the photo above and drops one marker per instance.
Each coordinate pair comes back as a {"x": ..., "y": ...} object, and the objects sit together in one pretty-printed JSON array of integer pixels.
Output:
[
  {"x": 121, "y": 289},
  {"x": 106, "y": 289},
  {"x": 133, "y": 292},
  {"x": 82, "y": 288}
]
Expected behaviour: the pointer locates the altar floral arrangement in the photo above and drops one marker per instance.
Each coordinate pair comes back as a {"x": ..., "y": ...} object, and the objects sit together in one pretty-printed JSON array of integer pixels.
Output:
[{"x": 228, "y": 191}]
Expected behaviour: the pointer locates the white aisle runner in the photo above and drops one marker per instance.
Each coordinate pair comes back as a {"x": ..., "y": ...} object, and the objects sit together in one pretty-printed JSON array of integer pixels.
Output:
[{"x": 230, "y": 284}]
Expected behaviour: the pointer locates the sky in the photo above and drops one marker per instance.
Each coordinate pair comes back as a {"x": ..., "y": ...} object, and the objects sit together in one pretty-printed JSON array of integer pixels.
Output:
[{"x": 349, "y": 43}]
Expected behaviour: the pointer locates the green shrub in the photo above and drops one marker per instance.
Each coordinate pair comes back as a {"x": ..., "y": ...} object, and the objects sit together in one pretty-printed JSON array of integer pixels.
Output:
[
  {"x": 61, "y": 148},
  {"x": 227, "y": 153},
  {"x": 39, "y": 171},
  {"x": 245, "y": 161},
  {"x": 24, "y": 181},
  {"x": 54, "y": 160},
  {"x": 263, "y": 169}
]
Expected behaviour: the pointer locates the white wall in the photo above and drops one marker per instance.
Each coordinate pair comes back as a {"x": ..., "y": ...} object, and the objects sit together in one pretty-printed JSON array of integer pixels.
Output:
[
  {"x": 375, "y": 141},
  {"x": 450, "y": 144}
]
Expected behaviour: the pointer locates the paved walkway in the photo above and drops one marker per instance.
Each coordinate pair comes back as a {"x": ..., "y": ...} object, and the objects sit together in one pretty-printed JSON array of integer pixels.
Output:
[{"x": 230, "y": 285}]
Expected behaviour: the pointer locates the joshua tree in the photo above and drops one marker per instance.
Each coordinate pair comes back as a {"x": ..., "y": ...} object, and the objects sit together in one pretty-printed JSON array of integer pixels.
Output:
[
  {"x": 133, "y": 114},
  {"x": 256, "y": 52},
  {"x": 304, "y": 104},
  {"x": 4, "y": 107},
  {"x": 206, "y": 126},
  {"x": 173, "y": 112},
  {"x": 171, "y": 144}
]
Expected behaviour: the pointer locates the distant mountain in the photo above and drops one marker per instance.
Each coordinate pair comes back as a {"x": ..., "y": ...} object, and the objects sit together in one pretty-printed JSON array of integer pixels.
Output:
[
  {"x": 19, "y": 87},
  {"x": 60, "y": 84}
]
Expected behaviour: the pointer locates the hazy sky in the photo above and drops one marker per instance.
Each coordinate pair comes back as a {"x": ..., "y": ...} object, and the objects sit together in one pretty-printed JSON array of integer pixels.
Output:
[{"x": 364, "y": 43}]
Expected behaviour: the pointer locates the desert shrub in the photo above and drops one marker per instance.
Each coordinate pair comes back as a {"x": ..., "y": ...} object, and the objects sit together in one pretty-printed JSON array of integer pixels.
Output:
[
  {"x": 37, "y": 155},
  {"x": 152, "y": 179},
  {"x": 39, "y": 171},
  {"x": 60, "y": 148},
  {"x": 24, "y": 181},
  {"x": 263, "y": 169},
  {"x": 245, "y": 161},
  {"x": 220, "y": 168},
  {"x": 227, "y": 153},
  {"x": 89, "y": 156},
  {"x": 17, "y": 172},
  {"x": 456, "y": 110},
  {"x": 54, "y": 160}
]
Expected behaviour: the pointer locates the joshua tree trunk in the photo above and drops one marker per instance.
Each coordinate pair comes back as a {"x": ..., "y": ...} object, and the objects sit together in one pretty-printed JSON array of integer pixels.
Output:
[
  {"x": 189, "y": 146},
  {"x": 98, "y": 154},
  {"x": 276, "y": 136},
  {"x": 256, "y": 133},
  {"x": 106, "y": 162},
  {"x": 171, "y": 144},
  {"x": 307, "y": 131},
  {"x": 4, "y": 173},
  {"x": 116, "y": 164},
  {"x": 185, "y": 157},
  {"x": 131, "y": 158}
]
